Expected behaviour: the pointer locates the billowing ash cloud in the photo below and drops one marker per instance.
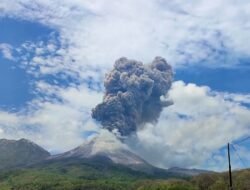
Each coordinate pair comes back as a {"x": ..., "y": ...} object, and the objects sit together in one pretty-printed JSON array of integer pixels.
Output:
[{"x": 134, "y": 94}]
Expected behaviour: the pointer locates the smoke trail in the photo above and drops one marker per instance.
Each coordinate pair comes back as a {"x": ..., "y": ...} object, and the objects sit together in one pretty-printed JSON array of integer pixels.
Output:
[{"x": 133, "y": 94}]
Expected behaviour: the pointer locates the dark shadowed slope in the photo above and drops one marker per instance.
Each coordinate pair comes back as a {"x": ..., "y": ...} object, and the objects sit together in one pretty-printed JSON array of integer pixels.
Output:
[{"x": 17, "y": 153}]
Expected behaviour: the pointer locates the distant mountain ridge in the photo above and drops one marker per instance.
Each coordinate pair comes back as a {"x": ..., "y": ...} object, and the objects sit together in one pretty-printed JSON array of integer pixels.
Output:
[
  {"x": 96, "y": 153},
  {"x": 19, "y": 153},
  {"x": 189, "y": 172}
]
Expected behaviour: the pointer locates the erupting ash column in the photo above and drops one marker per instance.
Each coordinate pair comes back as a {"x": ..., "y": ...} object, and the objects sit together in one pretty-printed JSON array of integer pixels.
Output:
[{"x": 134, "y": 94}]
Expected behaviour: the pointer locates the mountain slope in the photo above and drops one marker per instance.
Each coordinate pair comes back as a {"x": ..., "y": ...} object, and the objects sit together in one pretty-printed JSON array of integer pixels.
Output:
[
  {"x": 110, "y": 152},
  {"x": 108, "y": 149},
  {"x": 17, "y": 153},
  {"x": 102, "y": 152},
  {"x": 188, "y": 172},
  {"x": 101, "y": 163},
  {"x": 105, "y": 150}
]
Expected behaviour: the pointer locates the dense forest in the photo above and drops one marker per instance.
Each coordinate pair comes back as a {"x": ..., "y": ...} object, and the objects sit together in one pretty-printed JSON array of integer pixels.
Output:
[{"x": 44, "y": 179}]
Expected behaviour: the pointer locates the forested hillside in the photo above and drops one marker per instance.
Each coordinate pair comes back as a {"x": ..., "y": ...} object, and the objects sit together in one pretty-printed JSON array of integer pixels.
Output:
[{"x": 87, "y": 178}]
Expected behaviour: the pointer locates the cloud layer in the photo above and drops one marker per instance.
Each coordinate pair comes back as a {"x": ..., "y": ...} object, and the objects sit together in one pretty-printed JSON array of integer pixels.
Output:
[
  {"x": 185, "y": 32},
  {"x": 198, "y": 124},
  {"x": 50, "y": 122}
]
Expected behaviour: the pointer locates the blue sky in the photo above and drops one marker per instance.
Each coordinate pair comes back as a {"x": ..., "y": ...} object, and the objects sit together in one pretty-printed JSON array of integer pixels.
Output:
[
  {"x": 15, "y": 82},
  {"x": 54, "y": 55},
  {"x": 233, "y": 80}
]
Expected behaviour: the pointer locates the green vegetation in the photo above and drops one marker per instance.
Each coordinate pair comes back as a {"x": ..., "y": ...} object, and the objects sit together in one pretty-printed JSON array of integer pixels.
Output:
[
  {"x": 164, "y": 185},
  {"x": 90, "y": 176},
  {"x": 219, "y": 181}
]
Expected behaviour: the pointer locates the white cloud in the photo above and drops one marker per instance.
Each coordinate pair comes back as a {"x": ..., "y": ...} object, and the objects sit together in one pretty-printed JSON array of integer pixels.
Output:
[
  {"x": 6, "y": 50},
  {"x": 240, "y": 98},
  {"x": 56, "y": 125},
  {"x": 98, "y": 32},
  {"x": 199, "y": 123}
]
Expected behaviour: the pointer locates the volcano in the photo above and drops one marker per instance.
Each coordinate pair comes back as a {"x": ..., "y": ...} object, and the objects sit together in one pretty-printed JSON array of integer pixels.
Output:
[
  {"x": 100, "y": 157},
  {"x": 106, "y": 150},
  {"x": 110, "y": 152}
]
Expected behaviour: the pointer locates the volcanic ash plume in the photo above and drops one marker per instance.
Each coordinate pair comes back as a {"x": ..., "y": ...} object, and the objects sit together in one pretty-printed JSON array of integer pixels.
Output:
[{"x": 134, "y": 95}]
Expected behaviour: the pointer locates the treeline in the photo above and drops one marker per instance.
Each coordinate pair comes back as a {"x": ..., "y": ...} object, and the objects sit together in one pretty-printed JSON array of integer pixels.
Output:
[
  {"x": 42, "y": 180},
  {"x": 220, "y": 181}
]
